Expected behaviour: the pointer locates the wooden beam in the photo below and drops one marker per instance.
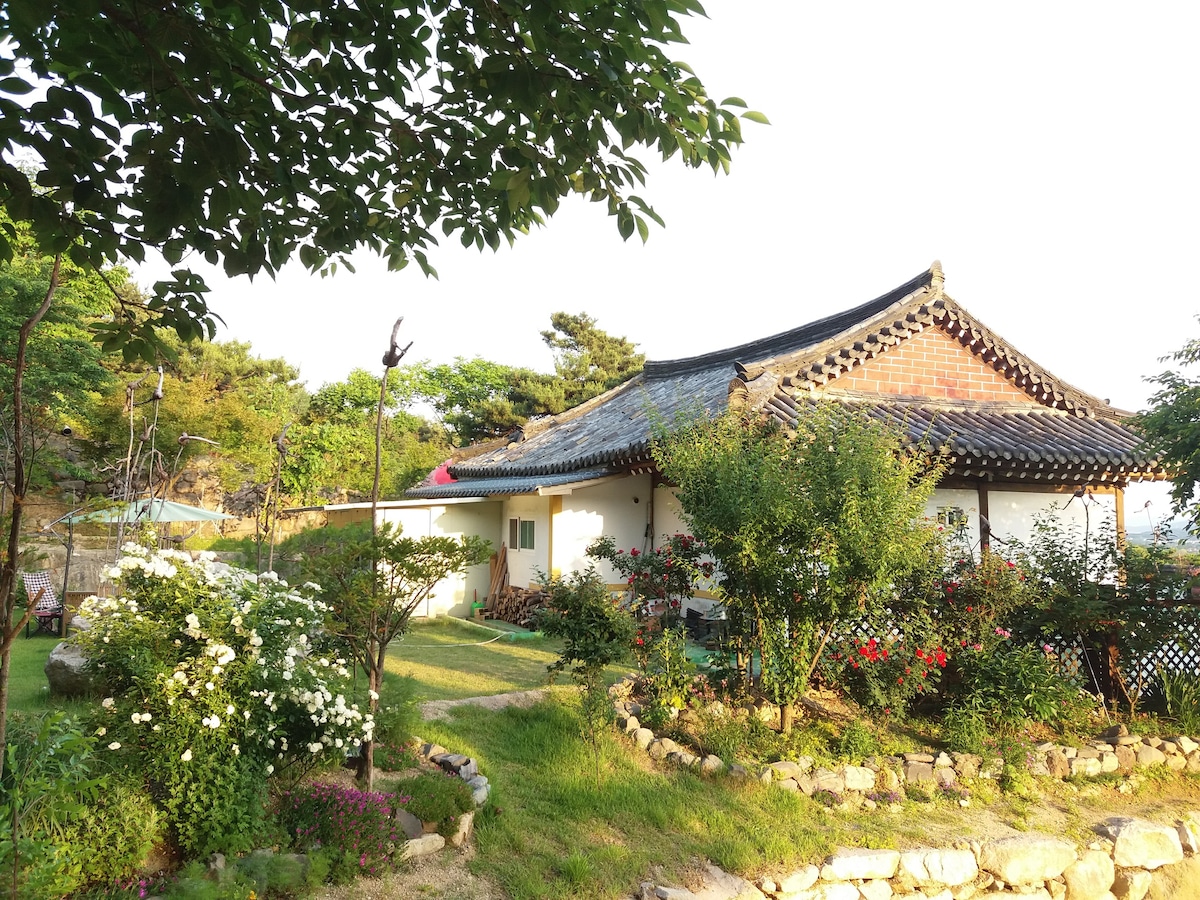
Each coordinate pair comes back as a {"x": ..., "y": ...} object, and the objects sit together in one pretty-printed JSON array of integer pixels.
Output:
[
  {"x": 1119, "y": 491},
  {"x": 985, "y": 534}
]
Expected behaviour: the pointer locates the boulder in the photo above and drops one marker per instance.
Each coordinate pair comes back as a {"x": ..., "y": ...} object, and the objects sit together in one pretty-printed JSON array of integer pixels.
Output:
[
  {"x": 466, "y": 825},
  {"x": 856, "y": 864},
  {"x": 409, "y": 824},
  {"x": 785, "y": 768},
  {"x": 1142, "y": 844},
  {"x": 916, "y": 772},
  {"x": 66, "y": 669},
  {"x": 800, "y": 880},
  {"x": 1026, "y": 859},
  {"x": 1150, "y": 756},
  {"x": 858, "y": 778},
  {"x": 423, "y": 846},
  {"x": 938, "y": 867},
  {"x": 1090, "y": 877},
  {"x": 1131, "y": 884}
]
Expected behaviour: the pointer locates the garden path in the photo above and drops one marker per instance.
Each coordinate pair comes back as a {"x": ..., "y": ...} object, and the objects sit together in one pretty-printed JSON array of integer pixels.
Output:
[{"x": 438, "y": 709}]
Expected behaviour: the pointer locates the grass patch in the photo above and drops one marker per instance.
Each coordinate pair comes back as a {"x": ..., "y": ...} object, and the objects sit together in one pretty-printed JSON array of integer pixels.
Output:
[
  {"x": 449, "y": 660},
  {"x": 28, "y": 690},
  {"x": 549, "y": 831}
]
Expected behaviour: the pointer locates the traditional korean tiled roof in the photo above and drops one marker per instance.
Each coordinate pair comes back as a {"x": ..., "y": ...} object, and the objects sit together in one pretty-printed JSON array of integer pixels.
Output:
[
  {"x": 1061, "y": 430},
  {"x": 1018, "y": 443}
]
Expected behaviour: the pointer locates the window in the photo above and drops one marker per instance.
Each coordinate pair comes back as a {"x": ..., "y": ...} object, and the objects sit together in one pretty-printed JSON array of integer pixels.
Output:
[{"x": 520, "y": 534}]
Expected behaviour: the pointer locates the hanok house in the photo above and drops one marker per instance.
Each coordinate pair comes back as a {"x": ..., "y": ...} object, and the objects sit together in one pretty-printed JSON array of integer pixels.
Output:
[{"x": 1020, "y": 441}]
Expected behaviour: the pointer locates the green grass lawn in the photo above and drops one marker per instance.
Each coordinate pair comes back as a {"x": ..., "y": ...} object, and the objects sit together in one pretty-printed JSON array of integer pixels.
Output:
[
  {"x": 28, "y": 690},
  {"x": 551, "y": 831},
  {"x": 449, "y": 660}
]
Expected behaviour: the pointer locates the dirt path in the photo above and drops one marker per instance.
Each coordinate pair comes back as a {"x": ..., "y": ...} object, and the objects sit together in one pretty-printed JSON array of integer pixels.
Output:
[{"x": 437, "y": 709}]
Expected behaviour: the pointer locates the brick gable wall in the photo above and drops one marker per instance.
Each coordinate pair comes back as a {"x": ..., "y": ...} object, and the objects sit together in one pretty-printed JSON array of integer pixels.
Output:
[{"x": 931, "y": 364}]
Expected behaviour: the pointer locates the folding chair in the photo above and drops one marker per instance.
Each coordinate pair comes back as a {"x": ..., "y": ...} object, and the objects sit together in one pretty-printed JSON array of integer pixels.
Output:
[{"x": 47, "y": 609}]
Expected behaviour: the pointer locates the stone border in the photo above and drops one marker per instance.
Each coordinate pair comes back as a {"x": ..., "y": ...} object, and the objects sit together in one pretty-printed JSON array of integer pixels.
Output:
[
  {"x": 1117, "y": 866},
  {"x": 423, "y": 838},
  {"x": 1114, "y": 751}
]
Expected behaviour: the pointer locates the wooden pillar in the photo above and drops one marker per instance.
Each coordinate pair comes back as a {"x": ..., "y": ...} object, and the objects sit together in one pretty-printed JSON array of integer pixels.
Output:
[
  {"x": 985, "y": 531},
  {"x": 1119, "y": 503},
  {"x": 555, "y": 509}
]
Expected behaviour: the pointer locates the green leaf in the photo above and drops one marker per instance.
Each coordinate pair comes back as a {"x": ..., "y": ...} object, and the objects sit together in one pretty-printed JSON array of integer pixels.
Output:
[
  {"x": 755, "y": 116},
  {"x": 14, "y": 85}
]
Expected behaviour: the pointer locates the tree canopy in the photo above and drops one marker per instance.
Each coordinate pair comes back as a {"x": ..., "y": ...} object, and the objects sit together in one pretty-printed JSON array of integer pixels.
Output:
[
  {"x": 478, "y": 399},
  {"x": 1172, "y": 426},
  {"x": 255, "y": 131},
  {"x": 806, "y": 528}
]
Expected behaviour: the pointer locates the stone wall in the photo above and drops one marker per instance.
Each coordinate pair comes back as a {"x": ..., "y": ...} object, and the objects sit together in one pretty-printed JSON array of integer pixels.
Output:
[
  {"x": 1124, "y": 863},
  {"x": 1119, "y": 865}
]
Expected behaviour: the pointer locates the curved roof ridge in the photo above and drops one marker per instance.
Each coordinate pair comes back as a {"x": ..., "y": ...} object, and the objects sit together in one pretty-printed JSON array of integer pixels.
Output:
[{"x": 793, "y": 340}]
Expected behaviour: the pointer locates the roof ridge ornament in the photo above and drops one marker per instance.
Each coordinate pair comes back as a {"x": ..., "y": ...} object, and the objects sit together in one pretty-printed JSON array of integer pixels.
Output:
[{"x": 937, "y": 280}]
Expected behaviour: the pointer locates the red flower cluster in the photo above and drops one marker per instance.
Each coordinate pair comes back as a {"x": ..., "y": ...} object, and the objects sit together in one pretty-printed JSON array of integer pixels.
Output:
[
  {"x": 873, "y": 651},
  {"x": 938, "y": 657}
]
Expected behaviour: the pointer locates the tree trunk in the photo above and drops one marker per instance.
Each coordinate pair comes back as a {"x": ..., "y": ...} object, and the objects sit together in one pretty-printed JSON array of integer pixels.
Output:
[
  {"x": 787, "y": 717},
  {"x": 8, "y": 571}
]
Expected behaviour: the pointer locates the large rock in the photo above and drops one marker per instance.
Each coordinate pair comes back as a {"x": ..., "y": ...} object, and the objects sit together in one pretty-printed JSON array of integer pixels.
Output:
[
  {"x": 466, "y": 827},
  {"x": 1131, "y": 884},
  {"x": 800, "y": 880},
  {"x": 423, "y": 846},
  {"x": 1090, "y": 876},
  {"x": 858, "y": 778},
  {"x": 1142, "y": 844},
  {"x": 66, "y": 670},
  {"x": 1027, "y": 858},
  {"x": 785, "y": 768},
  {"x": 409, "y": 824},
  {"x": 855, "y": 864},
  {"x": 938, "y": 867}
]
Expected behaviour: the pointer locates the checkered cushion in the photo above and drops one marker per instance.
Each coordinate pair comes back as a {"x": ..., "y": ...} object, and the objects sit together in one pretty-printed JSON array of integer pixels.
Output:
[{"x": 37, "y": 581}]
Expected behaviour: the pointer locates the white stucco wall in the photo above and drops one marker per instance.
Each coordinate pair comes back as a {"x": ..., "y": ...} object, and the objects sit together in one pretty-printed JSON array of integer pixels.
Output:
[
  {"x": 1012, "y": 513},
  {"x": 941, "y": 506},
  {"x": 452, "y": 596},
  {"x": 668, "y": 514},
  {"x": 618, "y": 508},
  {"x": 523, "y": 565}
]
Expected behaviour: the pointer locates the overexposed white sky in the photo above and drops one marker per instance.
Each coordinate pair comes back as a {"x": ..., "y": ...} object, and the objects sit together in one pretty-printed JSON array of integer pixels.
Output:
[{"x": 1046, "y": 153}]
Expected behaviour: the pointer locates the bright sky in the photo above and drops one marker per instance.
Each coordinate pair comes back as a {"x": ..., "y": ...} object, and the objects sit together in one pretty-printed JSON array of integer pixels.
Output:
[{"x": 1046, "y": 153}]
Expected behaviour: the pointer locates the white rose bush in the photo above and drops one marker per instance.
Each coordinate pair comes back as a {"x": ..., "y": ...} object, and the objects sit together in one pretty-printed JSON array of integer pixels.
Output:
[{"x": 214, "y": 681}]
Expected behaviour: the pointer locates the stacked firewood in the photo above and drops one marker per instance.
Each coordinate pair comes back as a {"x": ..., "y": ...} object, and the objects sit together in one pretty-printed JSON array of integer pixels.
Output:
[
  {"x": 517, "y": 605},
  {"x": 508, "y": 603}
]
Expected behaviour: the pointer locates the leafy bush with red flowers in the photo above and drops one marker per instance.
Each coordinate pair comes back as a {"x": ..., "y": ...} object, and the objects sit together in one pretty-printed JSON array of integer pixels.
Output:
[
  {"x": 659, "y": 579},
  {"x": 884, "y": 675},
  {"x": 979, "y": 600}
]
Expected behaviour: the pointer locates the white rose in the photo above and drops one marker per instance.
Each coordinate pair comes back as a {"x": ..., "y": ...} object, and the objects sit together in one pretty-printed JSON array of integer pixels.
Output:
[{"x": 186, "y": 756}]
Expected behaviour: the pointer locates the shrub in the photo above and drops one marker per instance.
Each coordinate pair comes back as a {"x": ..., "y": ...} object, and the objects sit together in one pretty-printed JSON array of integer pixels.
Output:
[
  {"x": 213, "y": 685},
  {"x": 398, "y": 715},
  {"x": 354, "y": 827},
  {"x": 113, "y": 835},
  {"x": 435, "y": 797},
  {"x": 856, "y": 742},
  {"x": 46, "y": 783},
  {"x": 1181, "y": 690},
  {"x": 981, "y": 597},
  {"x": 965, "y": 729},
  {"x": 669, "y": 676},
  {"x": 660, "y": 579},
  {"x": 1012, "y": 684},
  {"x": 884, "y": 675},
  {"x": 595, "y": 632}
]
